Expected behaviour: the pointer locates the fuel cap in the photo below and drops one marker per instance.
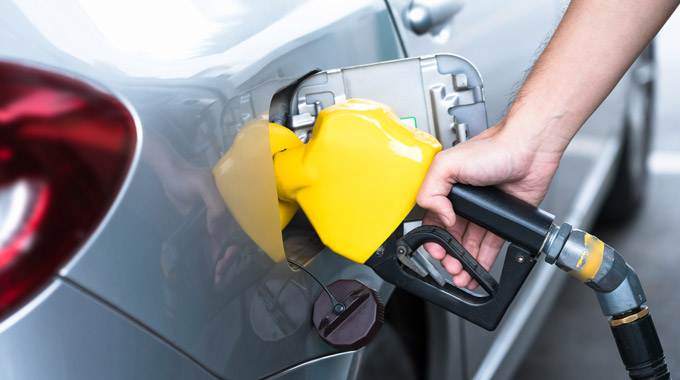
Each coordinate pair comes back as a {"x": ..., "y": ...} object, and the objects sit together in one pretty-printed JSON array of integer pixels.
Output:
[{"x": 354, "y": 321}]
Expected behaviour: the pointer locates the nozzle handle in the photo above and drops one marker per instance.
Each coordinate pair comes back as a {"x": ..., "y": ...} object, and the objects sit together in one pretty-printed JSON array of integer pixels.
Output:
[
  {"x": 483, "y": 310},
  {"x": 506, "y": 216}
]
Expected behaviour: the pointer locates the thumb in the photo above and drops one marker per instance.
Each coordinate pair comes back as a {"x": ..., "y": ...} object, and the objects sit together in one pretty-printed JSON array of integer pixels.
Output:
[
  {"x": 434, "y": 189},
  {"x": 441, "y": 207}
]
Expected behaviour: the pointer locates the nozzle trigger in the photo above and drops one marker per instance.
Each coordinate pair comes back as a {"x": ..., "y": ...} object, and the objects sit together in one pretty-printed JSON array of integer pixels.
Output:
[
  {"x": 433, "y": 234},
  {"x": 399, "y": 263}
]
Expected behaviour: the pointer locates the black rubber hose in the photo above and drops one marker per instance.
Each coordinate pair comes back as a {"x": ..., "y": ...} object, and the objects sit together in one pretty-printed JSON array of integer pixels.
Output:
[
  {"x": 506, "y": 216},
  {"x": 641, "y": 350},
  {"x": 279, "y": 107}
]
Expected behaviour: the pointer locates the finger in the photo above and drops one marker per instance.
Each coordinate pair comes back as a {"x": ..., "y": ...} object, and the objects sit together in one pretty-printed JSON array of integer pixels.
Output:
[
  {"x": 462, "y": 279},
  {"x": 458, "y": 229},
  {"x": 214, "y": 203},
  {"x": 435, "y": 250},
  {"x": 489, "y": 249},
  {"x": 441, "y": 207},
  {"x": 432, "y": 219},
  {"x": 452, "y": 265},
  {"x": 435, "y": 187},
  {"x": 488, "y": 252},
  {"x": 223, "y": 263},
  {"x": 472, "y": 239},
  {"x": 472, "y": 285}
]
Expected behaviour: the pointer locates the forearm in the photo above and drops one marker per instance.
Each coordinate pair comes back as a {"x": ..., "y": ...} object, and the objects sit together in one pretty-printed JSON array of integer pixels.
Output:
[{"x": 593, "y": 46}]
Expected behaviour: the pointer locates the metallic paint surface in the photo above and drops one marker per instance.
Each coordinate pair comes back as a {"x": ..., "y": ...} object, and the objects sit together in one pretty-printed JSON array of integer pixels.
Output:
[
  {"x": 333, "y": 367},
  {"x": 194, "y": 73},
  {"x": 65, "y": 334}
]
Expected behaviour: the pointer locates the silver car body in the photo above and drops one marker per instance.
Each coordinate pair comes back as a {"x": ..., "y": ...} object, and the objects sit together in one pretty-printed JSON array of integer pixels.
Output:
[{"x": 193, "y": 73}]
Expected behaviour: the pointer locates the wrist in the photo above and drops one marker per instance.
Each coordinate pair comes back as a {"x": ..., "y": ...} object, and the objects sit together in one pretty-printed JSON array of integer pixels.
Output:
[{"x": 539, "y": 130}]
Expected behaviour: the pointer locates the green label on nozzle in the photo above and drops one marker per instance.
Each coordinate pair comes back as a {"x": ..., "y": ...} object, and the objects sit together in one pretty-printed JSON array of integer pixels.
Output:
[{"x": 410, "y": 121}]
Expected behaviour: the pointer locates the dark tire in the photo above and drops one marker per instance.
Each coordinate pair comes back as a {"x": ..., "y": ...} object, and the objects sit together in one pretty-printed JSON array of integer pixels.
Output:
[{"x": 627, "y": 192}]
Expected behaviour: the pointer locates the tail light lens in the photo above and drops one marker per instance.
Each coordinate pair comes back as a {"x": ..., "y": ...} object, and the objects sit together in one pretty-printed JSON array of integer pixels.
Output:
[{"x": 65, "y": 148}]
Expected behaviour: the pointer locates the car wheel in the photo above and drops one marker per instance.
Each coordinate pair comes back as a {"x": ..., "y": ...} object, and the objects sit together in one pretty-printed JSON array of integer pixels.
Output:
[{"x": 627, "y": 192}]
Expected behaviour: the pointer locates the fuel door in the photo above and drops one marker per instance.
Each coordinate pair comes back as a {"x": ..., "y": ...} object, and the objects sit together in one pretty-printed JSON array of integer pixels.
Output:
[{"x": 442, "y": 95}]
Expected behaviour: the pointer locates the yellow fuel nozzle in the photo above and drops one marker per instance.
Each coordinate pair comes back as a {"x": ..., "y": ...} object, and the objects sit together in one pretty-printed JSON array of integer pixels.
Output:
[
  {"x": 245, "y": 180},
  {"x": 357, "y": 177}
]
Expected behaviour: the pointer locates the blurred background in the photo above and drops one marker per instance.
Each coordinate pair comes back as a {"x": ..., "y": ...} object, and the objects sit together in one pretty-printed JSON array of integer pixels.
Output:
[{"x": 574, "y": 342}]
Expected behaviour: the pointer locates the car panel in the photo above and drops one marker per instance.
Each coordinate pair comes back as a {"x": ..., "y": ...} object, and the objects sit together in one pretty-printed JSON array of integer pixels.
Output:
[
  {"x": 191, "y": 101},
  {"x": 66, "y": 334},
  {"x": 500, "y": 38},
  {"x": 333, "y": 367}
]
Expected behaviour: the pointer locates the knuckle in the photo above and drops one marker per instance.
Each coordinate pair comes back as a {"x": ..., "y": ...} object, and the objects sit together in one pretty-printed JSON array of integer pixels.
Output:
[{"x": 472, "y": 246}]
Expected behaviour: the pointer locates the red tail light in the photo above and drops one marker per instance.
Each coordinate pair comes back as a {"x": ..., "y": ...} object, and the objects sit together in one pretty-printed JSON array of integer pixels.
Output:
[{"x": 65, "y": 148}]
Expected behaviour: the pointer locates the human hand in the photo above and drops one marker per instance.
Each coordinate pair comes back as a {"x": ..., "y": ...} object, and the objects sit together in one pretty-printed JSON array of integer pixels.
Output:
[
  {"x": 187, "y": 187},
  {"x": 192, "y": 186},
  {"x": 520, "y": 166}
]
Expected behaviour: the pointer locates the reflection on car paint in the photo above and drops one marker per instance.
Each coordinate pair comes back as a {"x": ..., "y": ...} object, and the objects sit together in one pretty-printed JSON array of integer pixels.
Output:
[{"x": 191, "y": 108}]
